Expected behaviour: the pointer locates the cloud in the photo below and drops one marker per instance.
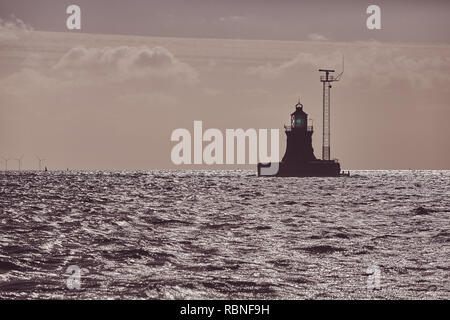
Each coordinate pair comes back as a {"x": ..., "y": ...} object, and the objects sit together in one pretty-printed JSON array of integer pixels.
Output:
[
  {"x": 29, "y": 81},
  {"x": 302, "y": 62},
  {"x": 316, "y": 37},
  {"x": 373, "y": 65},
  {"x": 13, "y": 30},
  {"x": 232, "y": 19},
  {"x": 119, "y": 71},
  {"x": 123, "y": 63}
]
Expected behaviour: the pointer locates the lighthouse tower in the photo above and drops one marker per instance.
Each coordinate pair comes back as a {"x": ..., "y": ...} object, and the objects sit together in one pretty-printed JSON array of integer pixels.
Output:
[
  {"x": 299, "y": 138},
  {"x": 299, "y": 159}
]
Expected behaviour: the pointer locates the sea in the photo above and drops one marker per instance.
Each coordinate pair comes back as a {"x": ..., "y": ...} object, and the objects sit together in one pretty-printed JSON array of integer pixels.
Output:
[{"x": 224, "y": 235}]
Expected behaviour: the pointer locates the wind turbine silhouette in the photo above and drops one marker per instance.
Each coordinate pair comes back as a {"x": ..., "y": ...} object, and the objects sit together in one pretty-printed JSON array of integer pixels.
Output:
[
  {"x": 6, "y": 163},
  {"x": 19, "y": 161},
  {"x": 41, "y": 161}
]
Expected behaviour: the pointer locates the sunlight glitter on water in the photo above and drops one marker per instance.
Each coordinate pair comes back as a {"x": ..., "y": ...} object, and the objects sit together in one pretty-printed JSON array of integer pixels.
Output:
[{"x": 224, "y": 234}]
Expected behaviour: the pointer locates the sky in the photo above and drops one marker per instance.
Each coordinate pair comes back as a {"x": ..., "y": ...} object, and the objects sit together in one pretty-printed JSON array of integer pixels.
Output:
[
  {"x": 344, "y": 20},
  {"x": 109, "y": 96}
]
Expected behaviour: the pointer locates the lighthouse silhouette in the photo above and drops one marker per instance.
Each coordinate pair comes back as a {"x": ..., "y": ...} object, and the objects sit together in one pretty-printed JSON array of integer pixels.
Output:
[
  {"x": 299, "y": 138},
  {"x": 299, "y": 159}
]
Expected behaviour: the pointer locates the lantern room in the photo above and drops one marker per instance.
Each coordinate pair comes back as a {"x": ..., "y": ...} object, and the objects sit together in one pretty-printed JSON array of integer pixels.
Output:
[{"x": 299, "y": 119}]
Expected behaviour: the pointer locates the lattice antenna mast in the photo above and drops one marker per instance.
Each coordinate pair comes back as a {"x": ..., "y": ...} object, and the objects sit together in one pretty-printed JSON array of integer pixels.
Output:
[{"x": 326, "y": 80}]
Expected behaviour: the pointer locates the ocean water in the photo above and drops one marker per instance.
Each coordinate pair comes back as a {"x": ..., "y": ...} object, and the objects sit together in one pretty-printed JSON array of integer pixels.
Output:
[{"x": 224, "y": 235}]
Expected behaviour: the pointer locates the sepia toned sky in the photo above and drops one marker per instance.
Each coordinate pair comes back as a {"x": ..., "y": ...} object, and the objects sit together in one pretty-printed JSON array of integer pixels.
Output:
[{"x": 109, "y": 96}]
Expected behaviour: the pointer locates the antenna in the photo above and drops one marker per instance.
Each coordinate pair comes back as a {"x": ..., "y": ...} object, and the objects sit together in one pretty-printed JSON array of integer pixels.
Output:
[
  {"x": 19, "y": 161},
  {"x": 41, "y": 161},
  {"x": 326, "y": 80},
  {"x": 6, "y": 162}
]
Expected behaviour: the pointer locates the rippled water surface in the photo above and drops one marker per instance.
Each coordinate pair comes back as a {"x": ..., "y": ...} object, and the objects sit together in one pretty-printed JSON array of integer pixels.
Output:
[{"x": 224, "y": 234}]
